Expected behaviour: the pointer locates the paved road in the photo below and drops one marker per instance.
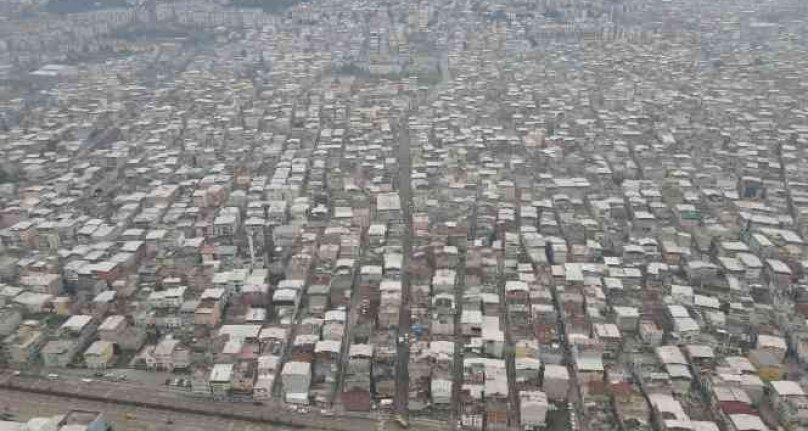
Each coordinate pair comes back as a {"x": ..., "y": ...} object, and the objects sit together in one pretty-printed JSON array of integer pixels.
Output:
[
  {"x": 404, "y": 323},
  {"x": 510, "y": 364},
  {"x": 26, "y": 405},
  {"x": 141, "y": 377},
  {"x": 132, "y": 396},
  {"x": 352, "y": 314},
  {"x": 456, "y": 406},
  {"x": 575, "y": 390}
]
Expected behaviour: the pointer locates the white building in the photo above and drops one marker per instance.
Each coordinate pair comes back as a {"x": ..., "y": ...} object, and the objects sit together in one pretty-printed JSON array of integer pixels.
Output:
[{"x": 533, "y": 408}]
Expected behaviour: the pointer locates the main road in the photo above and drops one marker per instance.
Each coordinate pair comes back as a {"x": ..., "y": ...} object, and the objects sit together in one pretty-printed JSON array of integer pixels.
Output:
[
  {"x": 159, "y": 402},
  {"x": 24, "y": 406}
]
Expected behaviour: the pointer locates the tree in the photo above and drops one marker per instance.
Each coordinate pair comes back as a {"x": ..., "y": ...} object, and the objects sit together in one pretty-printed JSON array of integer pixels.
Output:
[{"x": 6, "y": 176}]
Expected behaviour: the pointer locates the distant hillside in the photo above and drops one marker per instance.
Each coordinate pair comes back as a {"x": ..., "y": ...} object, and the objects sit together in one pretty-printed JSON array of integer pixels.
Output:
[
  {"x": 73, "y": 6},
  {"x": 271, "y": 6}
]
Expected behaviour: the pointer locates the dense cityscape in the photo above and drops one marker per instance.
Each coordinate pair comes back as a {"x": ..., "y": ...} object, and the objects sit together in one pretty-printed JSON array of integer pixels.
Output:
[{"x": 355, "y": 215}]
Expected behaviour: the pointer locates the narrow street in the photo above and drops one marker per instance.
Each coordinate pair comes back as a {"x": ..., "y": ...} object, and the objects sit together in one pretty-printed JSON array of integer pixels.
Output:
[
  {"x": 456, "y": 408},
  {"x": 574, "y": 397},
  {"x": 351, "y": 316},
  {"x": 510, "y": 359}
]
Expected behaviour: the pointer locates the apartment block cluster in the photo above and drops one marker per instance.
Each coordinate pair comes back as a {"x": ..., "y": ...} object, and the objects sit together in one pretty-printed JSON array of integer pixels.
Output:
[
  {"x": 634, "y": 250},
  {"x": 588, "y": 222},
  {"x": 245, "y": 235}
]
